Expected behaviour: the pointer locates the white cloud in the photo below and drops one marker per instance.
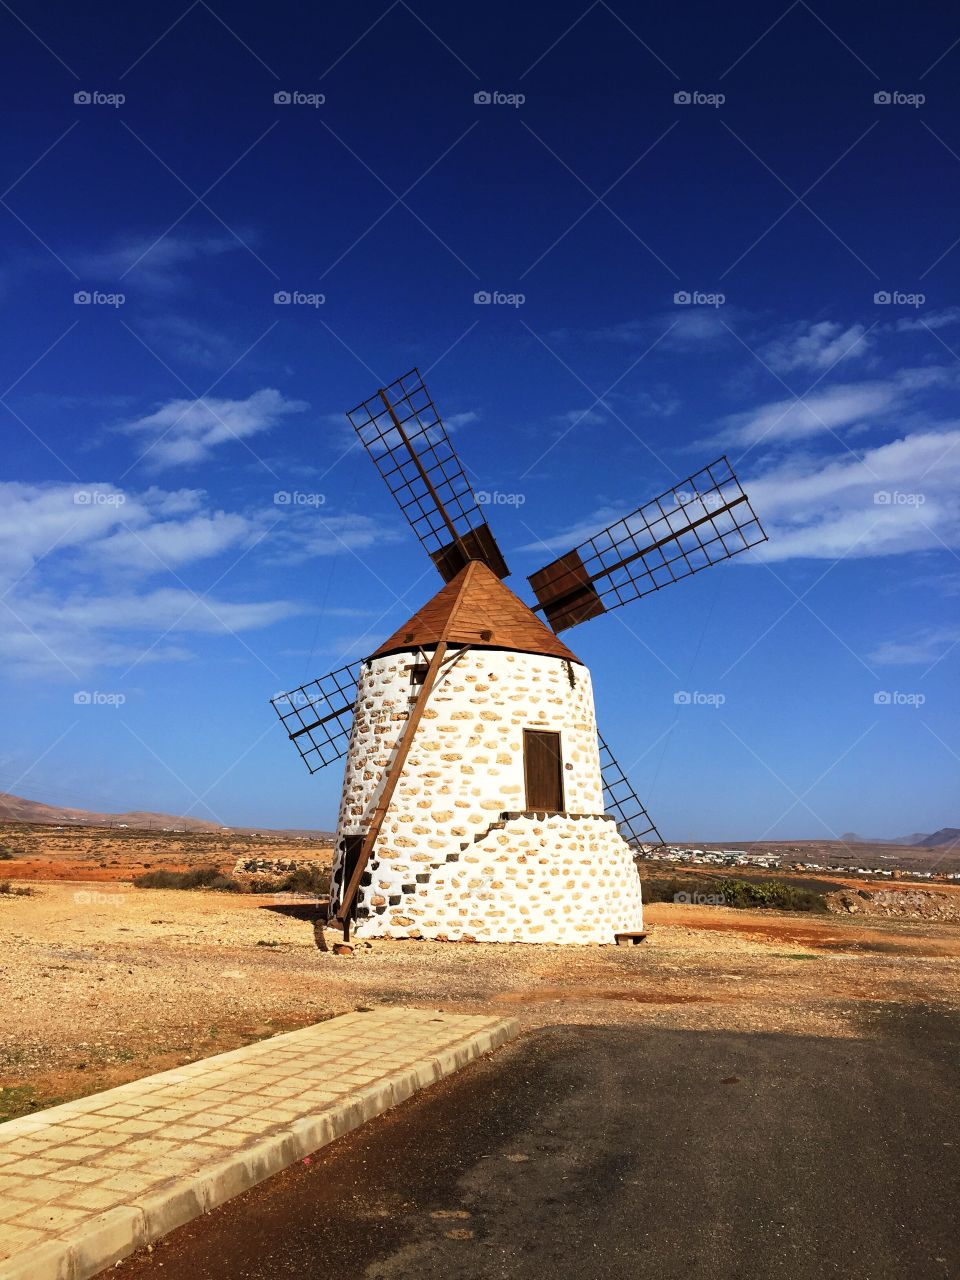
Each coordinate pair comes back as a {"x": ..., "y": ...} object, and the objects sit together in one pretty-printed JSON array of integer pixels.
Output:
[
  {"x": 301, "y": 534},
  {"x": 185, "y": 431},
  {"x": 678, "y": 329},
  {"x": 30, "y": 653},
  {"x": 925, "y": 648},
  {"x": 79, "y": 633},
  {"x": 70, "y": 555},
  {"x": 173, "y": 608},
  {"x": 457, "y": 420},
  {"x": 816, "y": 346},
  {"x": 829, "y": 410},
  {"x": 582, "y": 418},
  {"x": 901, "y": 497},
  {"x": 152, "y": 262},
  {"x": 932, "y": 320},
  {"x": 168, "y": 544},
  {"x": 835, "y": 408},
  {"x": 187, "y": 339},
  {"x": 574, "y": 534},
  {"x": 101, "y": 523}
]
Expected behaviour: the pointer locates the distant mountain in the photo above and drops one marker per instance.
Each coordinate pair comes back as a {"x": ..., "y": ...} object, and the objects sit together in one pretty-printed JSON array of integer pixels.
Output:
[
  {"x": 945, "y": 836},
  {"x": 17, "y": 809},
  {"x": 918, "y": 840}
]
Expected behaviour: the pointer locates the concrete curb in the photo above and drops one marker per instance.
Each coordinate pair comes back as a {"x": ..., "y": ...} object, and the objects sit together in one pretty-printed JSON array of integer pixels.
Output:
[{"x": 100, "y": 1242}]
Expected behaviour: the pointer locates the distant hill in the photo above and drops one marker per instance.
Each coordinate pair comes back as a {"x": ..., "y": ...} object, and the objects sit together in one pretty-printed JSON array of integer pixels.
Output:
[
  {"x": 17, "y": 809},
  {"x": 945, "y": 836},
  {"x": 918, "y": 840}
]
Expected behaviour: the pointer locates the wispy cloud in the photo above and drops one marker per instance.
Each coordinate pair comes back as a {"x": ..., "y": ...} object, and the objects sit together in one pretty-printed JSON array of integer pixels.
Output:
[
  {"x": 187, "y": 431},
  {"x": 573, "y": 534},
  {"x": 900, "y": 497},
  {"x": 172, "y": 543},
  {"x": 158, "y": 265},
  {"x": 186, "y": 338},
  {"x": 922, "y": 648},
  {"x": 684, "y": 327},
  {"x": 72, "y": 558},
  {"x": 931, "y": 320},
  {"x": 816, "y": 347},
  {"x": 835, "y": 408}
]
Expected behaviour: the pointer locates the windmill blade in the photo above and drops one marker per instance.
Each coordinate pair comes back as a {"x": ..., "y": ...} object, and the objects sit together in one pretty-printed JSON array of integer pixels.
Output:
[
  {"x": 622, "y": 802},
  {"x": 704, "y": 520},
  {"x": 318, "y": 716},
  {"x": 402, "y": 431}
]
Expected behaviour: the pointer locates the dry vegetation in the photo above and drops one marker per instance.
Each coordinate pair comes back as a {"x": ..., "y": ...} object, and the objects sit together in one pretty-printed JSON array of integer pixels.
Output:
[
  {"x": 33, "y": 852},
  {"x": 102, "y": 981}
]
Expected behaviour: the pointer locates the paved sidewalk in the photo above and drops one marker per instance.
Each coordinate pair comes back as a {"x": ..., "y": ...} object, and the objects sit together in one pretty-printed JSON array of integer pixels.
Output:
[{"x": 86, "y": 1183}]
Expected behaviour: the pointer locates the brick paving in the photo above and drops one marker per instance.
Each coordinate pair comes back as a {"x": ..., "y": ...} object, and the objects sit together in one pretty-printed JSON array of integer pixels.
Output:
[{"x": 84, "y": 1184}]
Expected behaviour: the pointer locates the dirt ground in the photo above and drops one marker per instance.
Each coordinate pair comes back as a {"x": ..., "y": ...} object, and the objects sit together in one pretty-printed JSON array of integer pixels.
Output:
[{"x": 102, "y": 982}]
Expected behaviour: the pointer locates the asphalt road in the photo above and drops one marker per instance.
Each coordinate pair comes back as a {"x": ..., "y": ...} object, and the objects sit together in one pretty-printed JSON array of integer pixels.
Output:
[{"x": 584, "y": 1152}]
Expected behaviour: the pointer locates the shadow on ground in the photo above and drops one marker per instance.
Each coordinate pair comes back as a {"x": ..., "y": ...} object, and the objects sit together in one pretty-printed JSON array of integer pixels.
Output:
[{"x": 584, "y": 1151}]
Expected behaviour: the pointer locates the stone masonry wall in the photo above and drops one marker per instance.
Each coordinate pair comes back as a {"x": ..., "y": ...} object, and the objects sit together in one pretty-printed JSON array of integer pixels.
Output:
[
  {"x": 532, "y": 878},
  {"x": 464, "y": 770}
]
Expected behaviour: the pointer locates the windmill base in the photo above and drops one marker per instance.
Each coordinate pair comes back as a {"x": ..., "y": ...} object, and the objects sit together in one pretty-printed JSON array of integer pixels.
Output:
[{"x": 550, "y": 878}]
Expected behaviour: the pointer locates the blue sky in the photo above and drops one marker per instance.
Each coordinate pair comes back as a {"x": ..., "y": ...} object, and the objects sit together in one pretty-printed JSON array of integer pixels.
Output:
[{"x": 739, "y": 157}]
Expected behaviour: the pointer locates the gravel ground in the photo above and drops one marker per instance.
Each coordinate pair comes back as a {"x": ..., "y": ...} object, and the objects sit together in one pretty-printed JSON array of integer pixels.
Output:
[{"x": 104, "y": 983}]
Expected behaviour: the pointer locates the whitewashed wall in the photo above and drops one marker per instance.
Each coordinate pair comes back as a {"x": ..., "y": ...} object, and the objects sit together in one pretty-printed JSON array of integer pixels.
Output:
[{"x": 464, "y": 770}]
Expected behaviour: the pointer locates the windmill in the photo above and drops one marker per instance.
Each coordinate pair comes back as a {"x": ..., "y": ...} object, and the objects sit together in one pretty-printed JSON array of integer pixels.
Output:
[{"x": 479, "y": 801}]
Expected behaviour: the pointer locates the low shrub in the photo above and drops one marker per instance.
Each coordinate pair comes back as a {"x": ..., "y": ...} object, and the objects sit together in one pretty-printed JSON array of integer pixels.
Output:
[
  {"x": 197, "y": 878},
  {"x": 311, "y": 880},
  {"x": 15, "y": 890},
  {"x": 729, "y": 892},
  {"x": 682, "y": 890},
  {"x": 769, "y": 893}
]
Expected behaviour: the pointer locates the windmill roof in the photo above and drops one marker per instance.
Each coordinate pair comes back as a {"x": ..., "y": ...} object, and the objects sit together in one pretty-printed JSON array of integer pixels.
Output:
[{"x": 476, "y": 608}]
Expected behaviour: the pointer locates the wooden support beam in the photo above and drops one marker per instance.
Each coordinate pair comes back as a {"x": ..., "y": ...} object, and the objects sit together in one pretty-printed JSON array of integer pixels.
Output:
[{"x": 394, "y": 770}]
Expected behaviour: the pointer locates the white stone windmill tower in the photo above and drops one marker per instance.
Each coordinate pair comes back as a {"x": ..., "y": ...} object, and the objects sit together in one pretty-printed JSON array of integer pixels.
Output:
[{"x": 479, "y": 801}]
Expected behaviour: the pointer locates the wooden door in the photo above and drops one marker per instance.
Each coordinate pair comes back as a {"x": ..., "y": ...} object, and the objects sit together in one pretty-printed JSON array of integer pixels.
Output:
[{"x": 543, "y": 770}]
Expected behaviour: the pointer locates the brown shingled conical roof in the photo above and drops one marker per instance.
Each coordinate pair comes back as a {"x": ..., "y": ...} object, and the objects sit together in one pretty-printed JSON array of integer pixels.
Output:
[{"x": 476, "y": 608}]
